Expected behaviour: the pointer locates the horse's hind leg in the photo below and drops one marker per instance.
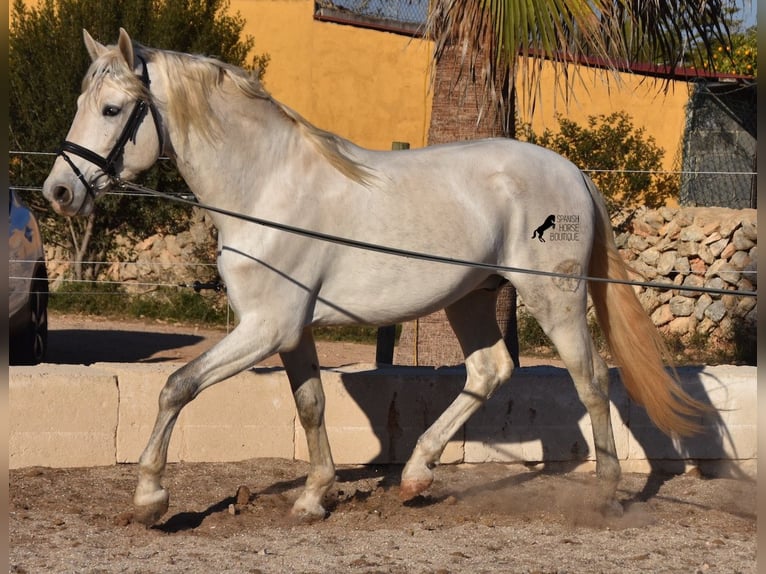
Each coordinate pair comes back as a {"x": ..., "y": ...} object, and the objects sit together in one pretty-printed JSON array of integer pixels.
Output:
[
  {"x": 488, "y": 364},
  {"x": 562, "y": 315},
  {"x": 302, "y": 368}
]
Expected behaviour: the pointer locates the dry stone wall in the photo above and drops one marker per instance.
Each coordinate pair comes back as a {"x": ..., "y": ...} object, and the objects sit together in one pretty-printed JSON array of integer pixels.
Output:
[
  {"x": 146, "y": 264},
  {"x": 695, "y": 247}
]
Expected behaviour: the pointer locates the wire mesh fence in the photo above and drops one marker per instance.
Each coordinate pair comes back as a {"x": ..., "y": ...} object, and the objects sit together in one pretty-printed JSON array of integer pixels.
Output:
[
  {"x": 403, "y": 16},
  {"x": 719, "y": 147}
]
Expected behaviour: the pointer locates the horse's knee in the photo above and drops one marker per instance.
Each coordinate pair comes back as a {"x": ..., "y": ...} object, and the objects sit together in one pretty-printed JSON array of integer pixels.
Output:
[{"x": 177, "y": 392}]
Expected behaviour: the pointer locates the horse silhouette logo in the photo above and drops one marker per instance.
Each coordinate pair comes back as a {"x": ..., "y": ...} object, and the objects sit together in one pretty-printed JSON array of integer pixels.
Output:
[{"x": 549, "y": 223}]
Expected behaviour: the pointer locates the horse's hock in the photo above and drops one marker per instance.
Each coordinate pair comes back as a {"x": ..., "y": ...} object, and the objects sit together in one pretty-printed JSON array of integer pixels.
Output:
[{"x": 711, "y": 247}]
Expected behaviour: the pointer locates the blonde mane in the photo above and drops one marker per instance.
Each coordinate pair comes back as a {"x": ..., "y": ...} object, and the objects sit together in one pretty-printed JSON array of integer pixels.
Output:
[{"x": 191, "y": 81}]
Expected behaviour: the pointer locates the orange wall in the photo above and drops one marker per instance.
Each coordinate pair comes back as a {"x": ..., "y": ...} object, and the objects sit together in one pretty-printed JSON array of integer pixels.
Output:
[
  {"x": 659, "y": 111},
  {"x": 373, "y": 87},
  {"x": 368, "y": 86}
]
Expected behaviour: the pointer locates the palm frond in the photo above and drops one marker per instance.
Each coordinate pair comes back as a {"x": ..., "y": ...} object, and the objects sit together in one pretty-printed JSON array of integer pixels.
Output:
[{"x": 503, "y": 44}]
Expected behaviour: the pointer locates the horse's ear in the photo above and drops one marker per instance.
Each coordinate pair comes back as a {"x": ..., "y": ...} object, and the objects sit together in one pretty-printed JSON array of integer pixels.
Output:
[
  {"x": 94, "y": 48},
  {"x": 125, "y": 44}
]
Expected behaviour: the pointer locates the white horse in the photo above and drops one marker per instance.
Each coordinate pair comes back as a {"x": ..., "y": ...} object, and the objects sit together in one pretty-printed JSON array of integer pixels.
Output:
[{"x": 485, "y": 201}]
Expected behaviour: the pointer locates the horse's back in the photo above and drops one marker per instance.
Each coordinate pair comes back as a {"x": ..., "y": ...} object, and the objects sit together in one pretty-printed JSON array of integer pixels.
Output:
[{"x": 495, "y": 192}]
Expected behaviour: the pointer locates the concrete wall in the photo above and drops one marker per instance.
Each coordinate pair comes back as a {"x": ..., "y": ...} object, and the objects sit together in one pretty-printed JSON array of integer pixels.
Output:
[{"x": 70, "y": 416}]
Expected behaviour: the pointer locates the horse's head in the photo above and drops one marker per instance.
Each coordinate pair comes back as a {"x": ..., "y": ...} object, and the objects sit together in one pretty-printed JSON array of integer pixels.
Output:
[{"x": 112, "y": 135}]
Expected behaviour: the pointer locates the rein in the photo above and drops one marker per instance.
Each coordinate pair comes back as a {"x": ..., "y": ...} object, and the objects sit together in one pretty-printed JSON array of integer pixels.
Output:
[
  {"x": 129, "y": 133},
  {"x": 318, "y": 235}
]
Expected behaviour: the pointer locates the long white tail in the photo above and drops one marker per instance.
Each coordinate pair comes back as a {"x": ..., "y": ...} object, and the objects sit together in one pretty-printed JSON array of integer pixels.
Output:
[{"x": 635, "y": 343}]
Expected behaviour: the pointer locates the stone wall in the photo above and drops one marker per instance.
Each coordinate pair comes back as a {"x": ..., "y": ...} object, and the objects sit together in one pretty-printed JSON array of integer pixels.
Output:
[
  {"x": 695, "y": 247},
  {"x": 146, "y": 264}
]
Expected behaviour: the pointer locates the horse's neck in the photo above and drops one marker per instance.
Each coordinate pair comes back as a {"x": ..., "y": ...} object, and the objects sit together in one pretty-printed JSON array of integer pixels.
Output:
[{"x": 248, "y": 149}]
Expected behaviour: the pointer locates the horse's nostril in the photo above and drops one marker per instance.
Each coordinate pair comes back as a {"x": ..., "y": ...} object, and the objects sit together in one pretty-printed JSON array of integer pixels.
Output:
[{"x": 62, "y": 195}]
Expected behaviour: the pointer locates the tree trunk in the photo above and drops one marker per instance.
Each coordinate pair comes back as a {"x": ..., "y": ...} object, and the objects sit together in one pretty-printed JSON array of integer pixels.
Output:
[{"x": 456, "y": 116}]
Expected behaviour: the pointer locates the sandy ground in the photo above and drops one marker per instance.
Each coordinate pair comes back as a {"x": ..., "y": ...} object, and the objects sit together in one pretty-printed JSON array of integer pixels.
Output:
[{"x": 234, "y": 517}]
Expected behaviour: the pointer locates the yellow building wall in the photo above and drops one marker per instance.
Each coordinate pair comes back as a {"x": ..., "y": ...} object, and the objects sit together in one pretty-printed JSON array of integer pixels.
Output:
[
  {"x": 372, "y": 87},
  {"x": 657, "y": 108},
  {"x": 368, "y": 86}
]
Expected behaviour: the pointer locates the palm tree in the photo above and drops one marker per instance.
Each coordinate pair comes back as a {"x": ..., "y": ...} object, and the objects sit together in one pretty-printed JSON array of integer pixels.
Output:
[{"x": 488, "y": 60}]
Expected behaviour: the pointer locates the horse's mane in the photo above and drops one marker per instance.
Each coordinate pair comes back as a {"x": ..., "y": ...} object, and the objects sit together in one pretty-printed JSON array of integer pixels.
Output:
[{"x": 192, "y": 79}]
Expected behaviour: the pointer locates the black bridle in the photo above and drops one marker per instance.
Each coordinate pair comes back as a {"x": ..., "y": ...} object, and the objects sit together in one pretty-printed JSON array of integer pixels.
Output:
[{"x": 129, "y": 132}]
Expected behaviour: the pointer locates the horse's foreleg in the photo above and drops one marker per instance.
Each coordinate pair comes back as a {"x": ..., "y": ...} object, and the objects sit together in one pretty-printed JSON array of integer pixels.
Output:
[
  {"x": 302, "y": 368},
  {"x": 488, "y": 364},
  {"x": 230, "y": 356}
]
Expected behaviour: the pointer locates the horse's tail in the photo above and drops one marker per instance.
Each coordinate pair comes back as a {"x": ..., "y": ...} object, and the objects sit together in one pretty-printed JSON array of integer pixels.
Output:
[{"x": 634, "y": 341}]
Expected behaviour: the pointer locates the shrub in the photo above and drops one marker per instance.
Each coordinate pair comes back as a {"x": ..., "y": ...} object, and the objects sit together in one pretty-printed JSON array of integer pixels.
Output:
[{"x": 624, "y": 162}]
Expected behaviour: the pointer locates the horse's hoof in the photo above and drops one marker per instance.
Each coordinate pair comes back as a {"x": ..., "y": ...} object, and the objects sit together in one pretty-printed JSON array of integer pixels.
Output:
[
  {"x": 612, "y": 509},
  {"x": 149, "y": 509},
  {"x": 409, "y": 489},
  {"x": 306, "y": 515}
]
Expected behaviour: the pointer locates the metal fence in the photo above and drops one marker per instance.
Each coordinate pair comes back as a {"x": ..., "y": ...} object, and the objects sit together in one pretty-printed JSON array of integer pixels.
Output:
[
  {"x": 398, "y": 16},
  {"x": 719, "y": 146}
]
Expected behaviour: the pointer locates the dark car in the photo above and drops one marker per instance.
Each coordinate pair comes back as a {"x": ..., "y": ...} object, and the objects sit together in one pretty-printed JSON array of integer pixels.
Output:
[{"x": 27, "y": 287}]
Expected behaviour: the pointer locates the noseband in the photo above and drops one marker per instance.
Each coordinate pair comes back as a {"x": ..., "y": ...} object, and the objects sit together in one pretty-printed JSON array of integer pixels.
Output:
[{"x": 129, "y": 131}]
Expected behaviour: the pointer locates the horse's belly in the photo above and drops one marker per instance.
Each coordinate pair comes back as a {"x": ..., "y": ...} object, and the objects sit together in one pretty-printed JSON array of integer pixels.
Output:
[{"x": 399, "y": 295}]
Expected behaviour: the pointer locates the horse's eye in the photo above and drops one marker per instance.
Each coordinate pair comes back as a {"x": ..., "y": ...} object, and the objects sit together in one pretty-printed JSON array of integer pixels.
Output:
[{"x": 111, "y": 111}]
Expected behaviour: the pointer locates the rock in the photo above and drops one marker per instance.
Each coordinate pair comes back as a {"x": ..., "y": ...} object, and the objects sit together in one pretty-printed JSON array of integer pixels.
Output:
[
  {"x": 703, "y": 302},
  {"x": 644, "y": 228},
  {"x": 745, "y": 285},
  {"x": 682, "y": 265},
  {"x": 666, "y": 262},
  {"x": 662, "y": 316},
  {"x": 681, "y": 306},
  {"x": 740, "y": 260},
  {"x": 243, "y": 495},
  {"x": 684, "y": 218},
  {"x": 712, "y": 238},
  {"x": 705, "y": 254},
  {"x": 729, "y": 225},
  {"x": 671, "y": 230},
  {"x": 740, "y": 241},
  {"x": 717, "y": 247},
  {"x": 694, "y": 281},
  {"x": 744, "y": 306},
  {"x": 716, "y": 311},
  {"x": 697, "y": 266},
  {"x": 622, "y": 240},
  {"x": 693, "y": 234},
  {"x": 715, "y": 283},
  {"x": 667, "y": 213},
  {"x": 649, "y": 300},
  {"x": 682, "y": 325},
  {"x": 706, "y": 326},
  {"x": 646, "y": 272},
  {"x": 637, "y": 244},
  {"x": 750, "y": 230},
  {"x": 651, "y": 256}
]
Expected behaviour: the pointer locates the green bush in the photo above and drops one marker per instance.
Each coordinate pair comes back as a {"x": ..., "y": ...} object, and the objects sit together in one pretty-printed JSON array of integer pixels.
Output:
[{"x": 624, "y": 162}]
